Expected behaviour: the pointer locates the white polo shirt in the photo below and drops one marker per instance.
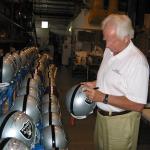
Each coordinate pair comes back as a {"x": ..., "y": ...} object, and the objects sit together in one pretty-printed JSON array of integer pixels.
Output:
[{"x": 125, "y": 74}]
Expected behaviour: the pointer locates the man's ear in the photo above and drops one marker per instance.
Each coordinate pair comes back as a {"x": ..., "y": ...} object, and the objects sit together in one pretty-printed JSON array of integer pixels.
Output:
[{"x": 126, "y": 39}]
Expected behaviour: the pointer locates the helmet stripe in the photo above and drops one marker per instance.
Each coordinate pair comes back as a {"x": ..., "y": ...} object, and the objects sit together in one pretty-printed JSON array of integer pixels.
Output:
[
  {"x": 4, "y": 142},
  {"x": 24, "y": 107},
  {"x": 72, "y": 99},
  {"x": 53, "y": 136},
  {"x": 5, "y": 121}
]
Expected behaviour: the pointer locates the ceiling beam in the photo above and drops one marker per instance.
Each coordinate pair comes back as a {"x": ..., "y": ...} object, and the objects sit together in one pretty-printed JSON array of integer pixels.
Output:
[
  {"x": 55, "y": 2},
  {"x": 54, "y": 14},
  {"x": 53, "y": 7}
]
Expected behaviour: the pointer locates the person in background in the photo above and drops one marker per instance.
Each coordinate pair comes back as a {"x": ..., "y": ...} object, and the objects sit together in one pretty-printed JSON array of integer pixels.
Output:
[{"x": 122, "y": 82}]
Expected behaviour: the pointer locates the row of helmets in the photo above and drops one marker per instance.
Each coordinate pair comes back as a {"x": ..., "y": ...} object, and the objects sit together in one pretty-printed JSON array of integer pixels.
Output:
[
  {"x": 54, "y": 136},
  {"x": 19, "y": 125},
  {"x": 12, "y": 63}
]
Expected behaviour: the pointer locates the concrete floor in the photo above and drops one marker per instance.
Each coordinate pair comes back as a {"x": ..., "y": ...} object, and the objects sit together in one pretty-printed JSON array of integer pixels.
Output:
[{"x": 80, "y": 135}]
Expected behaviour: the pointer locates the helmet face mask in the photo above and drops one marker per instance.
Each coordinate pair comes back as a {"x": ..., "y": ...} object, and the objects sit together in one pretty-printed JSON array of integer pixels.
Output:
[{"x": 78, "y": 104}]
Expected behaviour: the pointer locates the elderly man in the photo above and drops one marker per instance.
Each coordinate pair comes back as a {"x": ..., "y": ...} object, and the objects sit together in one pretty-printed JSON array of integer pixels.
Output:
[{"x": 122, "y": 80}]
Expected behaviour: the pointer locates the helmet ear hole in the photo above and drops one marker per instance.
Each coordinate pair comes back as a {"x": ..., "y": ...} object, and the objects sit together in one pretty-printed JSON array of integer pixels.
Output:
[{"x": 78, "y": 105}]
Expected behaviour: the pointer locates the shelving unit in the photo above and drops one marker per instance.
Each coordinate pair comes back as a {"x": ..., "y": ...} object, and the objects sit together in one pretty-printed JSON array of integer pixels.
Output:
[{"x": 16, "y": 25}]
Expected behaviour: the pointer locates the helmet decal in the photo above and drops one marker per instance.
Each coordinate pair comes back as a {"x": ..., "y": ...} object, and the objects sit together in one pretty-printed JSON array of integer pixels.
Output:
[{"x": 27, "y": 130}]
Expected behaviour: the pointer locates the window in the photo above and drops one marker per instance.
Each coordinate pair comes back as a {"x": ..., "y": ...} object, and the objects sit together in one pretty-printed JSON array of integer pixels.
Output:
[{"x": 44, "y": 24}]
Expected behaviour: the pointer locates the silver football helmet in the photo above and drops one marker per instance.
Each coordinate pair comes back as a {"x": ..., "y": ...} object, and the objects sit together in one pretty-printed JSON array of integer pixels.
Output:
[
  {"x": 33, "y": 83},
  {"x": 54, "y": 137},
  {"x": 12, "y": 144},
  {"x": 50, "y": 107},
  {"x": 37, "y": 78},
  {"x": 23, "y": 58},
  {"x": 51, "y": 118},
  {"x": 29, "y": 91},
  {"x": 17, "y": 59},
  {"x": 78, "y": 105},
  {"x": 29, "y": 105},
  {"x": 18, "y": 125},
  {"x": 50, "y": 98},
  {"x": 24, "y": 80},
  {"x": 8, "y": 69}
]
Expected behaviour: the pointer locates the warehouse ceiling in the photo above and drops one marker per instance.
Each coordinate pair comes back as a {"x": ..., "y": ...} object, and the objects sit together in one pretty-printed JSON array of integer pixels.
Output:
[
  {"x": 57, "y": 8},
  {"x": 58, "y": 12}
]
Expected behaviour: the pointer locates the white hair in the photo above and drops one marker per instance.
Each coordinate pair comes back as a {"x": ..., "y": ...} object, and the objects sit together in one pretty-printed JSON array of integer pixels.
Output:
[{"x": 122, "y": 24}]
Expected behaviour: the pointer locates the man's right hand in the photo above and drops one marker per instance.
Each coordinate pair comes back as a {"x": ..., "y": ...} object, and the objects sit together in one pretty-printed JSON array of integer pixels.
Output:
[{"x": 91, "y": 84}]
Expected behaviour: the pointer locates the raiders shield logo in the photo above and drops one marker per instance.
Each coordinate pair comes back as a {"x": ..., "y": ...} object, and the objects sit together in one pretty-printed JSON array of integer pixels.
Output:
[{"x": 27, "y": 130}]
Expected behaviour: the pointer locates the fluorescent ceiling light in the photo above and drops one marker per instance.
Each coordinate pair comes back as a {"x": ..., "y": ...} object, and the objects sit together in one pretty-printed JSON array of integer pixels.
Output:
[{"x": 44, "y": 24}]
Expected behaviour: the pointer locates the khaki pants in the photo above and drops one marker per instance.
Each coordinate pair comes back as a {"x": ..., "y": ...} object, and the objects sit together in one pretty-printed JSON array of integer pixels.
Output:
[{"x": 117, "y": 132}]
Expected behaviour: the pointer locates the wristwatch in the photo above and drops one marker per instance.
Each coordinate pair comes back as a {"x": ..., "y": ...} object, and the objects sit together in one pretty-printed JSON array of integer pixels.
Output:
[{"x": 105, "y": 100}]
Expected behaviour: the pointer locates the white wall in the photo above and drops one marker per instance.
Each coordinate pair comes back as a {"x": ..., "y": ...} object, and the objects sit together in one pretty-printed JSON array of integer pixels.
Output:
[{"x": 42, "y": 36}]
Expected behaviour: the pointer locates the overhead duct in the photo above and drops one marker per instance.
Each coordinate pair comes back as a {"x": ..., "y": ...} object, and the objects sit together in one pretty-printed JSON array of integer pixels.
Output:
[
  {"x": 97, "y": 12},
  {"x": 81, "y": 21}
]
